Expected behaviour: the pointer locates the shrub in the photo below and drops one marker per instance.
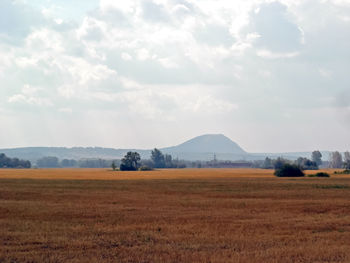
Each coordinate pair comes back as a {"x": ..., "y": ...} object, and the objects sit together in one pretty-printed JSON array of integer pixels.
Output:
[
  {"x": 124, "y": 167},
  {"x": 145, "y": 168},
  {"x": 322, "y": 174},
  {"x": 289, "y": 170},
  {"x": 343, "y": 172}
]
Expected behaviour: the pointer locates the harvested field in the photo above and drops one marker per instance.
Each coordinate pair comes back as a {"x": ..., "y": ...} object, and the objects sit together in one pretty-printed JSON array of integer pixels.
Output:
[{"x": 204, "y": 215}]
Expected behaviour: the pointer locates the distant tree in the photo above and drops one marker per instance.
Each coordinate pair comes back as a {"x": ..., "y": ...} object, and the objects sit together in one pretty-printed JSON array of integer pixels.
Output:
[
  {"x": 289, "y": 170},
  {"x": 346, "y": 165},
  {"x": 130, "y": 162},
  {"x": 97, "y": 163},
  {"x": 268, "y": 164},
  {"x": 316, "y": 157},
  {"x": 347, "y": 160},
  {"x": 48, "y": 162},
  {"x": 279, "y": 162},
  {"x": 6, "y": 162},
  {"x": 168, "y": 161},
  {"x": 114, "y": 167},
  {"x": 148, "y": 163},
  {"x": 69, "y": 163},
  {"x": 180, "y": 164},
  {"x": 306, "y": 164},
  {"x": 346, "y": 156},
  {"x": 157, "y": 158},
  {"x": 336, "y": 160}
]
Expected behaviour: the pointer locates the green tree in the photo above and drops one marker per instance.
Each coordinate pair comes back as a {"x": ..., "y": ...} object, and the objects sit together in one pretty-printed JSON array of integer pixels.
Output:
[
  {"x": 316, "y": 157},
  {"x": 113, "y": 166},
  {"x": 6, "y": 162},
  {"x": 168, "y": 161},
  {"x": 267, "y": 163},
  {"x": 279, "y": 162},
  {"x": 347, "y": 156},
  {"x": 157, "y": 158},
  {"x": 48, "y": 162},
  {"x": 130, "y": 162},
  {"x": 306, "y": 164},
  {"x": 336, "y": 160},
  {"x": 347, "y": 160}
]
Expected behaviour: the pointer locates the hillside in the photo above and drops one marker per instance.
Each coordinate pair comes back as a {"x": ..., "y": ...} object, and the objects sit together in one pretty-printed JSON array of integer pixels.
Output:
[
  {"x": 209, "y": 143},
  {"x": 203, "y": 148},
  {"x": 35, "y": 153}
]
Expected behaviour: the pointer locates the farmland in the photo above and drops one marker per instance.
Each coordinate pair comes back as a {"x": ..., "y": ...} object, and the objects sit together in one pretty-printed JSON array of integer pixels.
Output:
[{"x": 191, "y": 215}]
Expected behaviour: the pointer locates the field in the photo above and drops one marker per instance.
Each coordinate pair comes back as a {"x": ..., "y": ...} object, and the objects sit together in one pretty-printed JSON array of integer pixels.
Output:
[{"x": 203, "y": 215}]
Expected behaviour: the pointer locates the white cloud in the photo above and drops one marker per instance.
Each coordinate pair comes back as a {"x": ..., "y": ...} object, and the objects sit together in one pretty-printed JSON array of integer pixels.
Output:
[
  {"x": 126, "y": 56},
  {"x": 37, "y": 101},
  {"x": 65, "y": 110},
  {"x": 210, "y": 105},
  {"x": 125, "y": 6},
  {"x": 143, "y": 54},
  {"x": 275, "y": 55},
  {"x": 199, "y": 62}
]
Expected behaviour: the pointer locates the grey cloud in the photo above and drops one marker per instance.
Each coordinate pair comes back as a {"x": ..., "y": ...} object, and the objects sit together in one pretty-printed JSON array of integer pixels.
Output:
[
  {"x": 343, "y": 100},
  {"x": 342, "y": 104}
]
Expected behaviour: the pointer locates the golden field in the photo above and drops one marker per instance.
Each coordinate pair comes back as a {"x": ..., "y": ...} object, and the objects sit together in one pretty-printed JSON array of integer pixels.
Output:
[
  {"x": 107, "y": 174},
  {"x": 190, "y": 215}
]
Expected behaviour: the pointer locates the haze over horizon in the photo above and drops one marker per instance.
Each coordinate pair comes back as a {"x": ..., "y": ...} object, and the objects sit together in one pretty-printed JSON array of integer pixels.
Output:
[{"x": 273, "y": 76}]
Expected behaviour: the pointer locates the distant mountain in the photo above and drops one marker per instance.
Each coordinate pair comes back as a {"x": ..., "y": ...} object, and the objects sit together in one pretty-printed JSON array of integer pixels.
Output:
[
  {"x": 209, "y": 143},
  {"x": 199, "y": 148},
  {"x": 206, "y": 146}
]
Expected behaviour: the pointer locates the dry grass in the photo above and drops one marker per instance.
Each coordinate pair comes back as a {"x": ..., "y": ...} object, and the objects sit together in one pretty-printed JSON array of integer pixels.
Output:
[
  {"x": 107, "y": 174},
  {"x": 222, "y": 215}
]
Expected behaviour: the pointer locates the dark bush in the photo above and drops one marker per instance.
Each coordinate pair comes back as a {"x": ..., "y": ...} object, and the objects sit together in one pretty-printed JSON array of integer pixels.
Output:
[
  {"x": 145, "y": 168},
  {"x": 343, "y": 172},
  {"x": 124, "y": 167},
  {"x": 322, "y": 174},
  {"x": 289, "y": 170}
]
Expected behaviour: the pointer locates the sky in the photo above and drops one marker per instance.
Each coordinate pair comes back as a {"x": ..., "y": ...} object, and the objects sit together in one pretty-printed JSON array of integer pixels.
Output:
[{"x": 274, "y": 76}]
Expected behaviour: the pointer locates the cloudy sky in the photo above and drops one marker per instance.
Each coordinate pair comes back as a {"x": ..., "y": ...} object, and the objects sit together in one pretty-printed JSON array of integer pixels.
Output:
[{"x": 271, "y": 75}]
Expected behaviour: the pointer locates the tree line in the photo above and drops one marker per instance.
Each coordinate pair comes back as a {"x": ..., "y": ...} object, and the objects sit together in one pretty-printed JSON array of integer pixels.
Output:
[
  {"x": 132, "y": 162},
  {"x": 7, "y": 162},
  {"x": 54, "y": 162},
  {"x": 336, "y": 161}
]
